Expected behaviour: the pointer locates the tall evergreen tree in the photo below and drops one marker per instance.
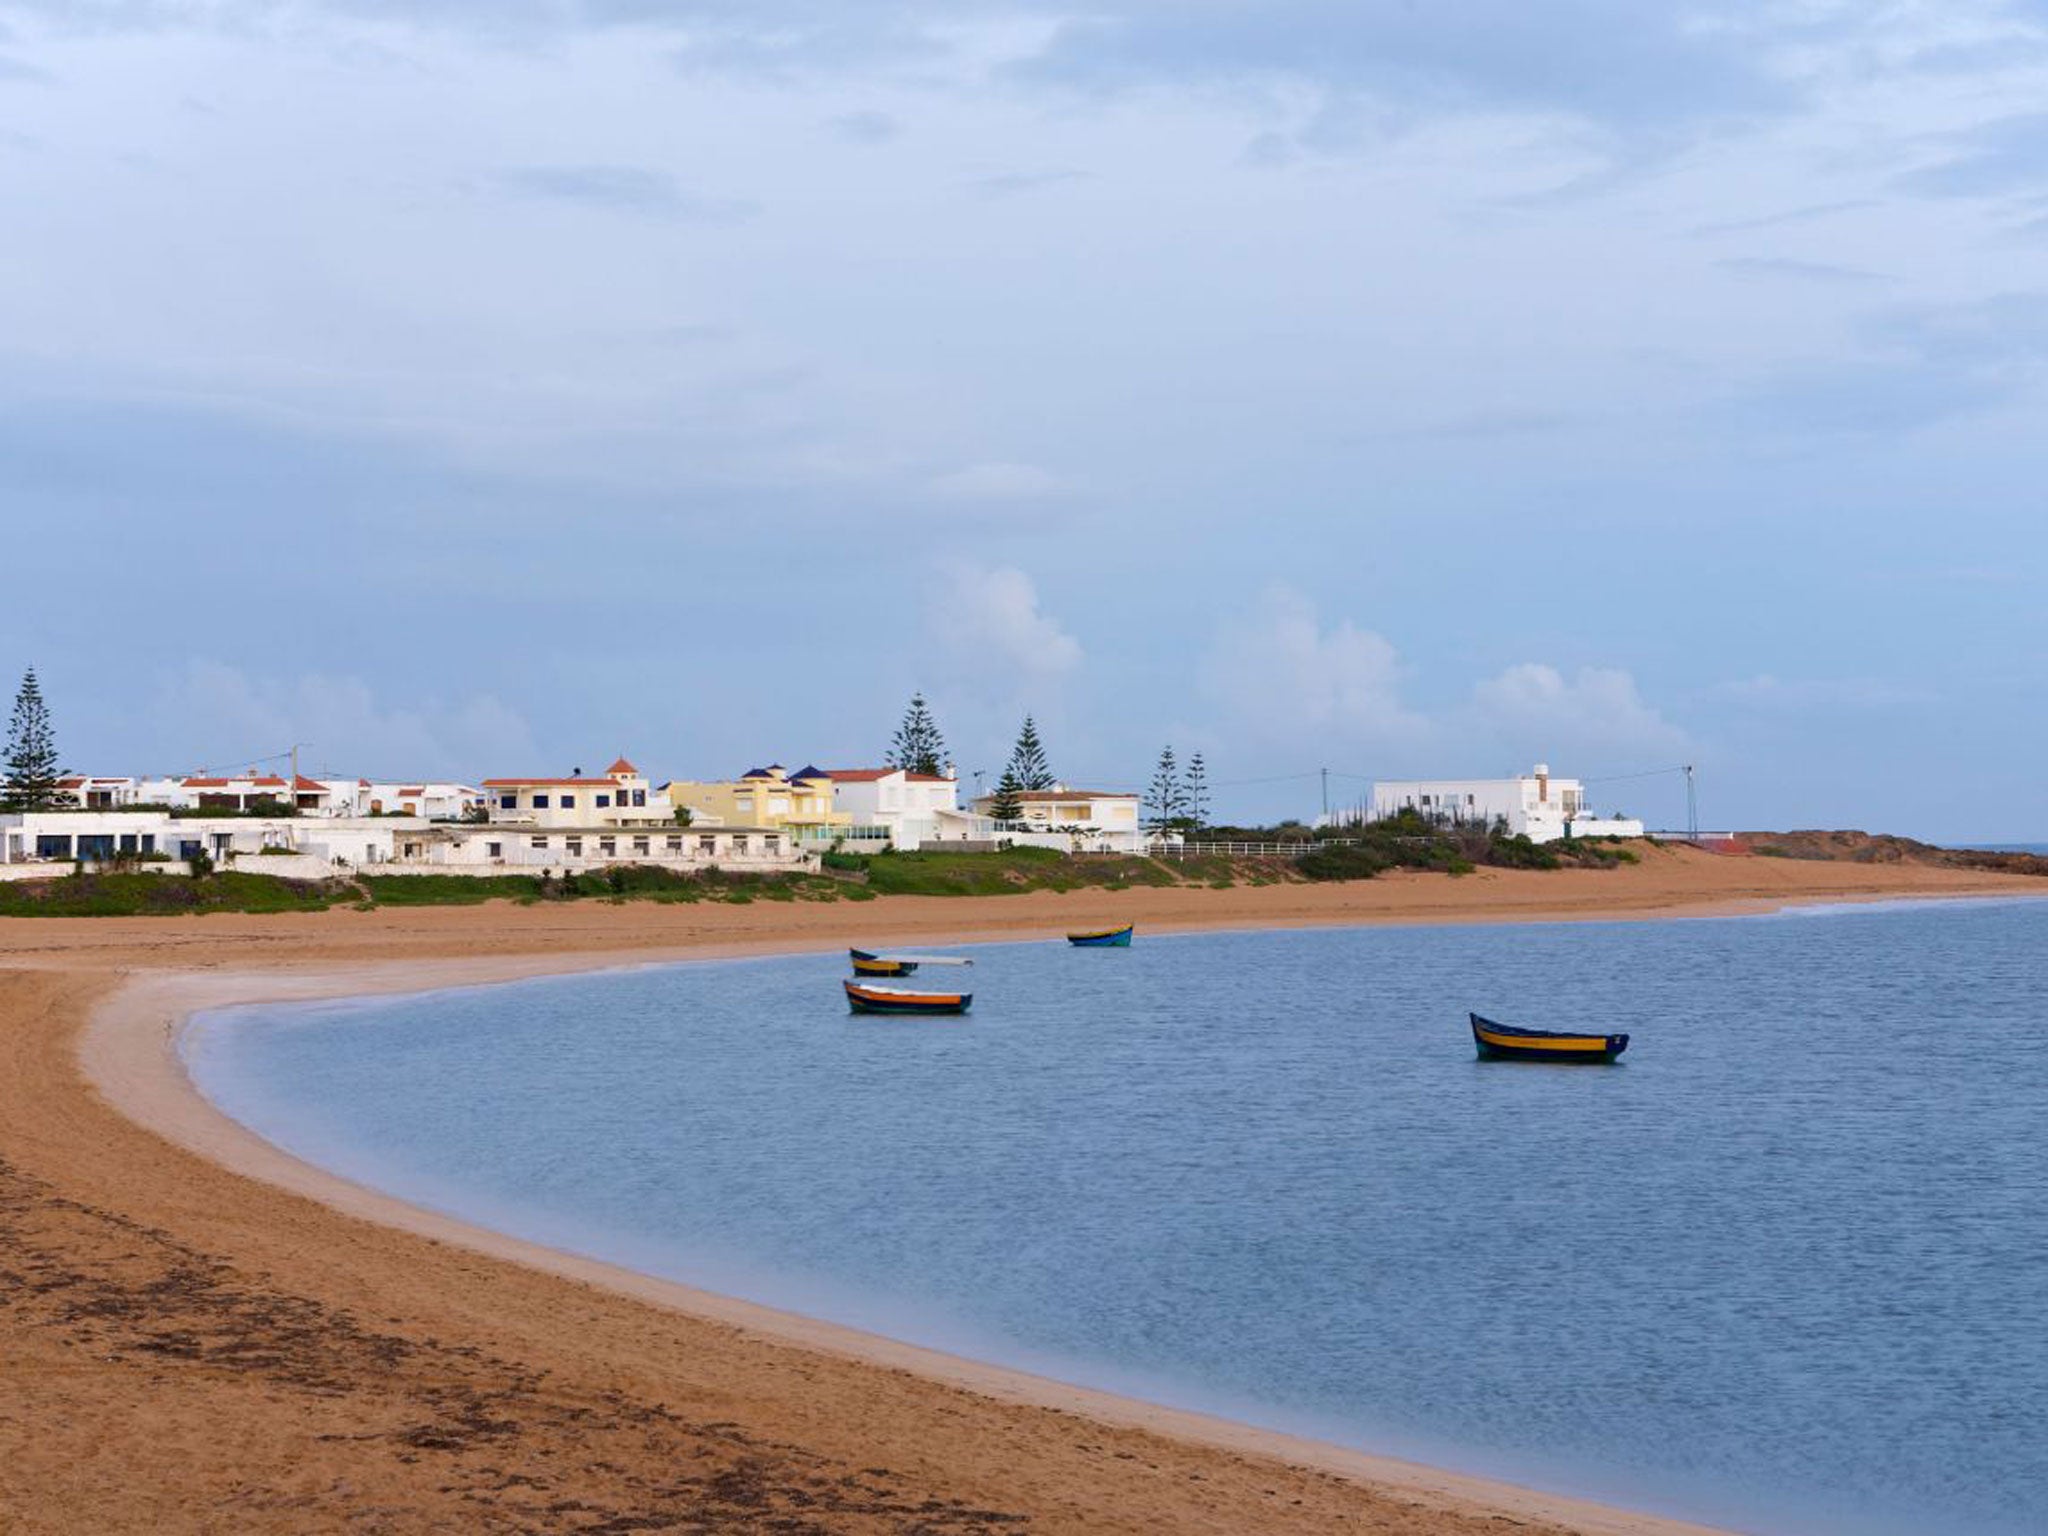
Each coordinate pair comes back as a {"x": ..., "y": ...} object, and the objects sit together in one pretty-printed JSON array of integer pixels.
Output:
[
  {"x": 918, "y": 747},
  {"x": 1007, "y": 804},
  {"x": 32, "y": 765},
  {"x": 1027, "y": 759},
  {"x": 1195, "y": 792},
  {"x": 1166, "y": 797}
]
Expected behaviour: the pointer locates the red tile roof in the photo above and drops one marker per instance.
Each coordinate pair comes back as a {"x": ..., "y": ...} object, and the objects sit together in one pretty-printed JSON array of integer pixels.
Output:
[
  {"x": 414, "y": 789},
  {"x": 869, "y": 775},
  {"x": 309, "y": 786},
  {"x": 622, "y": 766}
]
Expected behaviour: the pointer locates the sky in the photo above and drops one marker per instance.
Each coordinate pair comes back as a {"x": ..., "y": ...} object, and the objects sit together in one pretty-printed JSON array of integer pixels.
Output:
[{"x": 1397, "y": 387}]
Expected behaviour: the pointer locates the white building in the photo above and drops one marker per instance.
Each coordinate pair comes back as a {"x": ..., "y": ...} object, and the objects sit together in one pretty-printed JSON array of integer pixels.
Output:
[
  {"x": 621, "y": 797},
  {"x": 40, "y": 844},
  {"x": 1080, "y": 820},
  {"x": 911, "y": 808},
  {"x": 1534, "y": 804}
]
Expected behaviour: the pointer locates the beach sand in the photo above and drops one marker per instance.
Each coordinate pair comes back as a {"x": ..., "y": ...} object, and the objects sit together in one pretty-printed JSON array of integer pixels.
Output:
[{"x": 200, "y": 1334}]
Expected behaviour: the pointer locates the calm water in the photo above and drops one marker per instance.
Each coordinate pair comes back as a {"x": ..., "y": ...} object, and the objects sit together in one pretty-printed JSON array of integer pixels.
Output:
[{"x": 1786, "y": 1268}]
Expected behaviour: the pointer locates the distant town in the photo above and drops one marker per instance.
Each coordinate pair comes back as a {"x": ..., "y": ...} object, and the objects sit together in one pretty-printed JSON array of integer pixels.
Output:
[{"x": 768, "y": 818}]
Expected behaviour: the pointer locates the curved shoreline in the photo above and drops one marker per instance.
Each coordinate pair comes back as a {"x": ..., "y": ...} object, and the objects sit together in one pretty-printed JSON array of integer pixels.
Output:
[
  {"x": 131, "y": 1054},
  {"x": 200, "y": 1343}
]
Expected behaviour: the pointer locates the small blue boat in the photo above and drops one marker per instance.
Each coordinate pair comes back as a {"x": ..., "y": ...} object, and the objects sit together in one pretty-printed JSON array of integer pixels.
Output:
[
  {"x": 1504, "y": 1042},
  {"x": 1104, "y": 938}
]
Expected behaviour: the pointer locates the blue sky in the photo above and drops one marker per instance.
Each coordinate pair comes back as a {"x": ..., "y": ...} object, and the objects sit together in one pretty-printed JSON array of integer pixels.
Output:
[{"x": 1399, "y": 388}]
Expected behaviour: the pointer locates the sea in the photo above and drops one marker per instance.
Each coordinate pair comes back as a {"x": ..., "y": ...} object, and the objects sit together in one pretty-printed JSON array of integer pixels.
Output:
[{"x": 1783, "y": 1268}]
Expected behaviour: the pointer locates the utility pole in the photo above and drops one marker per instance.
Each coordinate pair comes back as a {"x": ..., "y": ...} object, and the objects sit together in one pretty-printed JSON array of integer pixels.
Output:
[
  {"x": 1692, "y": 807},
  {"x": 1326, "y": 797}
]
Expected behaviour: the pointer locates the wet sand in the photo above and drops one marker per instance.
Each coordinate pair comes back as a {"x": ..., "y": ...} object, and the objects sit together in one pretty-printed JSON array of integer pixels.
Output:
[{"x": 200, "y": 1333}]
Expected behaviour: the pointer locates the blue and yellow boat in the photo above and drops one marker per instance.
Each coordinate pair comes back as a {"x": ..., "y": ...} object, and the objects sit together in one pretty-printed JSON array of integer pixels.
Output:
[
  {"x": 867, "y": 963},
  {"x": 1505, "y": 1042},
  {"x": 1104, "y": 938},
  {"x": 862, "y": 997}
]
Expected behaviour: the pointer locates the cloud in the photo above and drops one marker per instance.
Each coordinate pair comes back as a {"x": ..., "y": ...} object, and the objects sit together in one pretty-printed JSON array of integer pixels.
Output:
[
  {"x": 1799, "y": 271},
  {"x": 623, "y": 188},
  {"x": 1280, "y": 673},
  {"x": 209, "y": 709},
  {"x": 1596, "y": 716},
  {"x": 868, "y": 127},
  {"x": 998, "y": 481},
  {"x": 1616, "y": 62},
  {"x": 989, "y": 621},
  {"x": 1925, "y": 364},
  {"x": 2006, "y": 156},
  {"x": 1015, "y": 183},
  {"x": 1808, "y": 214}
]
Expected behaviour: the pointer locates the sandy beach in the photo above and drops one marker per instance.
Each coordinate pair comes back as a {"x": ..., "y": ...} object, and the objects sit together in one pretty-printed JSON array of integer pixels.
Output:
[{"x": 200, "y": 1333}]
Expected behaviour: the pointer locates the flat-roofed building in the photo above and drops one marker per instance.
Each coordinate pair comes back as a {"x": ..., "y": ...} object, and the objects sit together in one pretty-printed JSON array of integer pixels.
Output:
[{"x": 1536, "y": 804}]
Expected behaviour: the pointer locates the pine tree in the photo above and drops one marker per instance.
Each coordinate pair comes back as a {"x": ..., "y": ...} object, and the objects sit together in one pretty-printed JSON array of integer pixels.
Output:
[
  {"x": 32, "y": 764},
  {"x": 918, "y": 747},
  {"x": 1166, "y": 797},
  {"x": 1195, "y": 792},
  {"x": 1007, "y": 804},
  {"x": 1027, "y": 759}
]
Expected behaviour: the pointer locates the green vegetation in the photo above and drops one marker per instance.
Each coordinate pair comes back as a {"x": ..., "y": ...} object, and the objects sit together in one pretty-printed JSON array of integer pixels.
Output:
[
  {"x": 918, "y": 747},
  {"x": 33, "y": 768},
  {"x": 1013, "y": 870},
  {"x": 142, "y": 895},
  {"x": 1410, "y": 841}
]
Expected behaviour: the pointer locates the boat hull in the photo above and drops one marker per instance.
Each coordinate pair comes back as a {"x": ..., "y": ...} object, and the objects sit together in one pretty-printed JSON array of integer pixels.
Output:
[
  {"x": 1505, "y": 1042},
  {"x": 887, "y": 1000},
  {"x": 877, "y": 967},
  {"x": 1108, "y": 938}
]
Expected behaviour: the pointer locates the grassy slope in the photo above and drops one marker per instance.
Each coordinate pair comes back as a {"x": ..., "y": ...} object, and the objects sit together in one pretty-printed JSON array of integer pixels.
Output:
[{"x": 915, "y": 874}]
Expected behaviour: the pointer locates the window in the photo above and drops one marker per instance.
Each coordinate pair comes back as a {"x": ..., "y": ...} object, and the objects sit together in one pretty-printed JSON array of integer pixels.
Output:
[
  {"x": 603, "y": 801},
  {"x": 573, "y": 846},
  {"x": 607, "y": 846},
  {"x": 568, "y": 802},
  {"x": 642, "y": 846},
  {"x": 540, "y": 802},
  {"x": 128, "y": 844},
  {"x": 739, "y": 844},
  {"x": 771, "y": 845},
  {"x": 639, "y": 797},
  {"x": 508, "y": 802},
  {"x": 494, "y": 850},
  {"x": 675, "y": 845},
  {"x": 537, "y": 842},
  {"x": 707, "y": 845}
]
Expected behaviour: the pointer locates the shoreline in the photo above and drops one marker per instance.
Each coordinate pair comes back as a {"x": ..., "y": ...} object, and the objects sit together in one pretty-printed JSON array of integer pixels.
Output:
[
  {"x": 132, "y": 1052},
  {"x": 115, "y": 989}
]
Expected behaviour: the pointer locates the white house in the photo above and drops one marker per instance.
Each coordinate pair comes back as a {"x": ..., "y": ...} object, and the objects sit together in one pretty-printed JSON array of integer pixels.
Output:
[
  {"x": 99, "y": 794},
  {"x": 1082, "y": 820},
  {"x": 1534, "y": 804},
  {"x": 437, "y": 800},
  {"x": 912, "y": 808}
]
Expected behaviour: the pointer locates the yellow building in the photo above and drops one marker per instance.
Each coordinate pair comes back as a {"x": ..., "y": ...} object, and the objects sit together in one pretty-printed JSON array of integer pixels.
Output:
[{"x": 765, "y": 797}]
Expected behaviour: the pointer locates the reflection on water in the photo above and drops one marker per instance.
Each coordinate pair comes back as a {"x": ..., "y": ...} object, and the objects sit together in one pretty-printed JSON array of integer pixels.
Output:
[{"x": 1783, "y": 1267}]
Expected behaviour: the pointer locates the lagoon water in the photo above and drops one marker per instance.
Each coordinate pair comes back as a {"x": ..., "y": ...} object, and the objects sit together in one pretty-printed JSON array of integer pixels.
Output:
[{"x": 1785, "y": 1268}]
